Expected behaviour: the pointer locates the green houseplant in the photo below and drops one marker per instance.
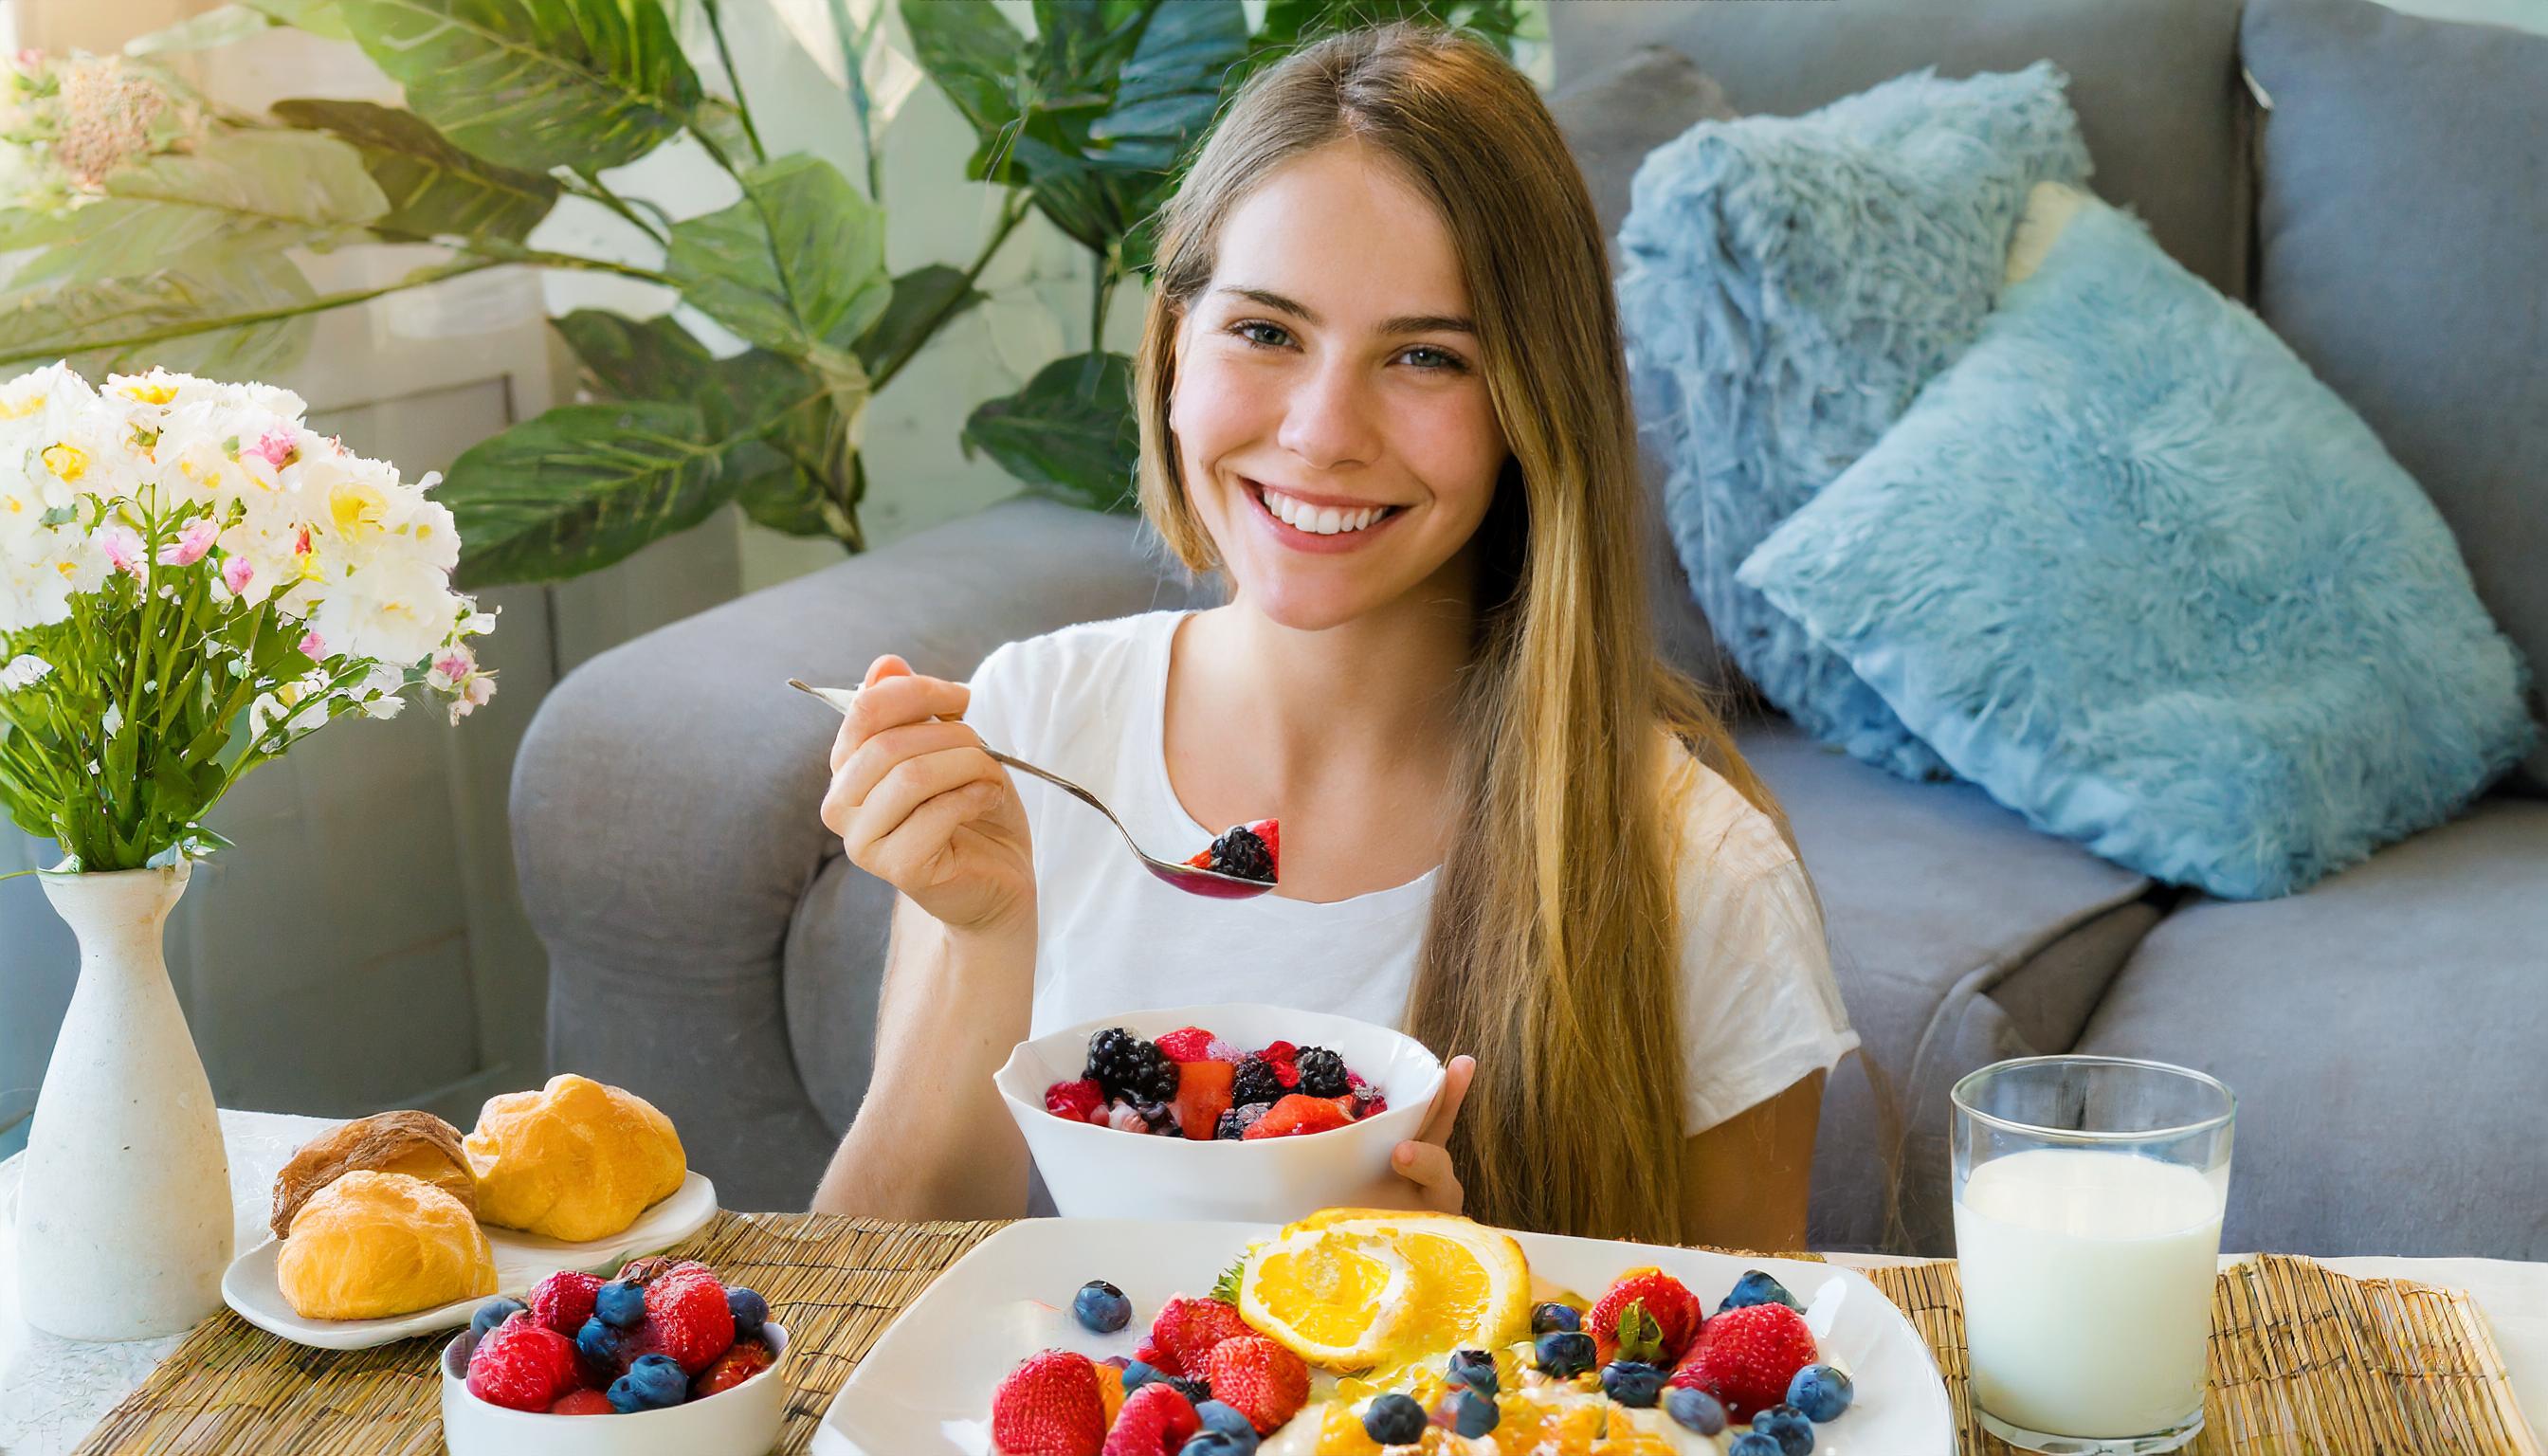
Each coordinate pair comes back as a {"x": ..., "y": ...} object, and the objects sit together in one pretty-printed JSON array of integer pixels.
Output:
[{"x": 158, "y": 224}]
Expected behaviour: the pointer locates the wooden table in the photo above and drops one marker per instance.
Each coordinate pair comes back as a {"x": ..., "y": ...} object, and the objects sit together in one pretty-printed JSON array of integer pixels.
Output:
[{"x": 53, "y": 1391}]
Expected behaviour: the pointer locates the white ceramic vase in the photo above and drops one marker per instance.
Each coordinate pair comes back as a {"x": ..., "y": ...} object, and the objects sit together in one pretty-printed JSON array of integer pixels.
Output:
[{"x": 124, "y": 1209}]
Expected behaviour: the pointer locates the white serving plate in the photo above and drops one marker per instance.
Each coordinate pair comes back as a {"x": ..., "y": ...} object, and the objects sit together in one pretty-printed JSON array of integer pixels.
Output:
[
  {"x": 523, "y": 1260},
  {"x": 925, "y": 1388}
]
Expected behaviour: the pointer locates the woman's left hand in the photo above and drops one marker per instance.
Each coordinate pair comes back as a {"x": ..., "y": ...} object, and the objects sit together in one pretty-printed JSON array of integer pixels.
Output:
[{"x": 1424, "y": 1160}]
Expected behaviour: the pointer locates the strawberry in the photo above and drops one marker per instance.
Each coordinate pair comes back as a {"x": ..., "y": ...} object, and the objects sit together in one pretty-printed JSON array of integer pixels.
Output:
[
  {"x": 688, "y": 1317},
  {"x": 1745, "y": 1356},
  {"x": 748, "y": 1358},
  {"x": 1297, "y": 1114},
  {"x": 1048, "y": 1406},
  {"x": 1155, "y": 1421},
  {"x": 1081, "y": 1101},
  {"x": 1186, "y": 1331},
  {"x": 1258, "y": 1379},
  {"x": 1666, "y": 1321},
  {"x": 1202, "y": 1095},
  {"x": 564, "y": 1300},
  {"x": 582, "y": 1403},
  {"x": 1187, "y": 1043},
  {"x": 522, "y": 1364}
]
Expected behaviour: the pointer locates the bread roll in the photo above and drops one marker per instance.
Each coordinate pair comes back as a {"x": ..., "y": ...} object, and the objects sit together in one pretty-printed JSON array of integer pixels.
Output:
[
  {"x": 370, "y": 1245},
  {"x": 417, "y": 1144},
  {"x": 574, "y": 1161}
]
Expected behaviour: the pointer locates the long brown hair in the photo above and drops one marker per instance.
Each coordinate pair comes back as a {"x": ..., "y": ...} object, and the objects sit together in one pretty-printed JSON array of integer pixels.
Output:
[{"x": 1552, "y": 956}]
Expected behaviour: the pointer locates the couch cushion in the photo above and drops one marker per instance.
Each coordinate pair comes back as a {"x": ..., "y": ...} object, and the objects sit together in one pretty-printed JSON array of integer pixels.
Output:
[
  {"x": 1613, "y": 117},
  {"x": 2383, "y": 1033},
  {"x": 2401, "y": 253},
  {"x": 2155, "y": 84},
  {"x": 1959, "y": 936}
]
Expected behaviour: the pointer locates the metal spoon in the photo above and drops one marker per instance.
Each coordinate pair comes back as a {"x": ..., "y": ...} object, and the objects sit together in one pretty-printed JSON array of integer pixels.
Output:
[{"x": 1210, "y": 883}]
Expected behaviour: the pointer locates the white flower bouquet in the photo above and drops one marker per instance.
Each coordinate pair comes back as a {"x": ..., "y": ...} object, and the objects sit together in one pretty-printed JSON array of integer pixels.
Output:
[{"x": 191, "y": 581}]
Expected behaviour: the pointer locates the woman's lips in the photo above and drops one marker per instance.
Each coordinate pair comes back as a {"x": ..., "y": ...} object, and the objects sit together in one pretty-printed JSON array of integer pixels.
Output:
[{"x": 1287, "y": 534}]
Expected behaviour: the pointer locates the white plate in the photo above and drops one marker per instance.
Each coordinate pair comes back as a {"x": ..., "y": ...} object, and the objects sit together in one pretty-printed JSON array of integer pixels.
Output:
[
  {"x": 925, "y": 1388},
  {"x": 523, "y": 1260}
]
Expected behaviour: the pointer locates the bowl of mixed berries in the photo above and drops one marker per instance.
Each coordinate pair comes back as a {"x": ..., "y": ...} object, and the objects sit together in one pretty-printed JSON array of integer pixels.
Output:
[
  {"x": 1218, "y": 1112},
  {"x": 686, "y": 1364}
]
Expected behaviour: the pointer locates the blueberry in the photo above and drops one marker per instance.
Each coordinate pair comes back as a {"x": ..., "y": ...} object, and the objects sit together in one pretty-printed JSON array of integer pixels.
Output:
[
  {"x": 1549, "y": 1318},
  {"x": 751, "y": 1311},
  {"x": 1211, "y": 1442},
  {"x": 1216, "y": 1417},
  {"x": 1475, "y": 1369},
  {"x": 1822, "y": 1391},
  {"x": 620, "y": 1304},
  {"x": 1754, "y": 1444},
  {"x": 1632, "y": 1383},
  {"x": 1101, "y": 1306},
  {"x": 493, "y": 1313},
  {"x": 1694, "y": 1409},
  {"x": 1787, "y": 1425},
  {"x": 1564, "y": 1352},
  {"x": 653, "y": 1383},
  {"x": 1137, "y": 1375},
  {"x": 1758, "y": 1287},
  {"x": 1394, "y": 1420},
  {"x": 1473, "y": 1414},
  {"x": 598, "y": 1344}
]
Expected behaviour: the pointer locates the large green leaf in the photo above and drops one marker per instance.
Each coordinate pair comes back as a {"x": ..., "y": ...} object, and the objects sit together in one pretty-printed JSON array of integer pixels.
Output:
[
  {"x": 219, "y": 26},
  {"x": 237, "y": 190},
  {"x": 924, "y": 299},
  {"x": 1069, "y": 434},
  {"x": 975, "y": 56},
  {"x": 581, "y": 486},
  {"x": 433, "y": 188},
  {"x": 1168, "y": 91},
  {"x": 317, "y": 17},
  {"x": 797, "y": 266},
  {"x": 535, "y": 84},
  {"x": 155, "y": 317},
  {"x": 636, "y": 359}
]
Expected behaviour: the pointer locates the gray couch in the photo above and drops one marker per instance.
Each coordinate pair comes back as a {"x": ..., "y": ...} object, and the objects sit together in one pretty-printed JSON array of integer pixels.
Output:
[{"x": 711, "y": 948}]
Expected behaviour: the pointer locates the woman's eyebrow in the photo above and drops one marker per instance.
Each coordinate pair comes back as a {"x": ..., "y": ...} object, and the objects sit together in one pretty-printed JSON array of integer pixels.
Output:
[{"x": 1403, "y": 324}]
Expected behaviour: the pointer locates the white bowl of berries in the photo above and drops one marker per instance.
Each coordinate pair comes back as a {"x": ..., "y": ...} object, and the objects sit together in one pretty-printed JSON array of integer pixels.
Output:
[
  {"x": 686, "y": 1365},
  {"x": 1249, "y": 1112}
]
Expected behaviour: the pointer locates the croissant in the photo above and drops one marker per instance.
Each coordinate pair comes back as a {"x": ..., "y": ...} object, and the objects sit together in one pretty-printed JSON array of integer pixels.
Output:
[
  {"x": 576, "y": 1160},
  {"x": 417, "y": 1144},
  {"x": 370, "y": 1245}
]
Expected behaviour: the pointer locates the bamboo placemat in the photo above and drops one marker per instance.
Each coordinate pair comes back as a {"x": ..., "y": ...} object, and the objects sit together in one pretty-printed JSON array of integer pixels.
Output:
[{"x": 2304, "y": 1361}]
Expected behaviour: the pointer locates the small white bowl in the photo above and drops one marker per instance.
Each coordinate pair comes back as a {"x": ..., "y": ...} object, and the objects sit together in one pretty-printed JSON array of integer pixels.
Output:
[
  {"x": 1096, "y": 1172},
  {"x": 741, "y": 1422}
]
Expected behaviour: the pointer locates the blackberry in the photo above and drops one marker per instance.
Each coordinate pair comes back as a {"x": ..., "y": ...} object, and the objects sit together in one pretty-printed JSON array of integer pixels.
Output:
[
  {"x": 1254, "y": 1082},
  {"x": 1323, "y": 1072},
  {"x": 1240, "y": 852},
  {"x": 1229, "y": 1128},
  {"x": 1126, "y": 1066},
  {"x": 1162, "y": 1117},
  {"x": 1195, "y": 1391}
]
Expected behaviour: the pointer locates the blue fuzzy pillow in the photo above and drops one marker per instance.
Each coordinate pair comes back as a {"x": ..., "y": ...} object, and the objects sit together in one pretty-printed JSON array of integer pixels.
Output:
[
  {"x": 1787, "y": 284},
  {"x": 2129, "y": 567}
]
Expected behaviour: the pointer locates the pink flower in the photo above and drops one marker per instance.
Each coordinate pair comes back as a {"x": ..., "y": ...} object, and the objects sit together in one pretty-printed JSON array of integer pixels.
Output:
[
  {"x": 278, "y": 447},
  {"x": 236, "y": 573},
  {"x": 191, "y": 543},
  {"x": 312, "y": 648},
  {"x": 121, "y": 547},
  {"x": 454, "y": 666}
]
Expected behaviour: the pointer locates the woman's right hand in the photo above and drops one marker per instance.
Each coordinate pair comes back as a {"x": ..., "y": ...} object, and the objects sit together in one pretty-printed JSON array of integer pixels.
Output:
[{"x": 918, "y": 804}]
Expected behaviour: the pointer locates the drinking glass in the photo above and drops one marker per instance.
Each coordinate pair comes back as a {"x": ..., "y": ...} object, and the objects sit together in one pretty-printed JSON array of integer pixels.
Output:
[{"x": 2088, "y": 1193}]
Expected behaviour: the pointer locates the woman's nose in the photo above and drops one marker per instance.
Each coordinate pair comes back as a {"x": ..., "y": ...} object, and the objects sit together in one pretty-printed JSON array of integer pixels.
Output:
[{"x": 1328, "y": 419}]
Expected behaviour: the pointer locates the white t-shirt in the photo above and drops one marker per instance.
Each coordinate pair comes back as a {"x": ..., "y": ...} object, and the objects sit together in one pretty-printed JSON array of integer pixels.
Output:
[{"x": 1759, "y": 1009}]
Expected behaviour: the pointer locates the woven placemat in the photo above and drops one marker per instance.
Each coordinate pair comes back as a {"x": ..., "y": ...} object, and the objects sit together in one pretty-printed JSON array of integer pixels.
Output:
[{"x": 2303, "y": 1360}]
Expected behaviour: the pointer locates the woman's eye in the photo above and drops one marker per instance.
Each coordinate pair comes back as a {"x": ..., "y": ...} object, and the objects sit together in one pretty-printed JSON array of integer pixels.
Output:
[
  {"x": 1445, "y": 362},
  {"x": 1241, "y": 329}
]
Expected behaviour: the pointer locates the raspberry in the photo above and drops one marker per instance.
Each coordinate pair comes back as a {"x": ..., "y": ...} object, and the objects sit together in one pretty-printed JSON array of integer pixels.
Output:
[
  {"x": 1049, "y": 1407},
  {"x": 1186, "y": 1331},
  {"x": 1672, "y": 1316},
  {"x": 1082, "y": 1101},
  {"x": 1258, "y": 1379},
  {"x": 748, "y": 1358},
  {"x": 1187, "y": 1043},
  {"x": 687, "y": 1314},
  {"x": 1296, "y": 1115},
  {"x": 1745, "y": 1356},
  {"x": 1155, "y": 1421},
  {"x": 522, "y": 1364},
  {"x": 582, "y": 1403},
  {"x": 564, "y": 1300}
]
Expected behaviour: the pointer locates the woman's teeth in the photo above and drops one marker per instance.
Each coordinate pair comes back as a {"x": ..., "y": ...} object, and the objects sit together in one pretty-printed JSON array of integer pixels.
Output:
[{"x": 1318, "y": 520}]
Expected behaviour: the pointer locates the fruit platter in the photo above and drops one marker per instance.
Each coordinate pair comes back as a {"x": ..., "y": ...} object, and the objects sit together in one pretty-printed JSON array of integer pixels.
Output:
[{"x": 1374, "y": 1332}]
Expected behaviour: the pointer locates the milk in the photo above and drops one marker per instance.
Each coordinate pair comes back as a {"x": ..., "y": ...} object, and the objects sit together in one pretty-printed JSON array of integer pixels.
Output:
[{"x": 2087, "y": 1281}]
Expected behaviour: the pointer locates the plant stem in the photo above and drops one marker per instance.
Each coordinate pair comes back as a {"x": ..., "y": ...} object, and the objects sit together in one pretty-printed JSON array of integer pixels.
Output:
[
  {"x": 593, "y": 189},
  {"x": 1012, "y": 213},
  {"x": 734, "y": 80},
  {"x": 54, "y": 348},
  {"x": 1102, "y": 287},
  {"x": 542, "y": 258}
]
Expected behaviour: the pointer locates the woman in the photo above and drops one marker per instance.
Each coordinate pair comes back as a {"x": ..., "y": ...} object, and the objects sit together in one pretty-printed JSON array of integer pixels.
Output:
[{"x": 1381, "y": 390}]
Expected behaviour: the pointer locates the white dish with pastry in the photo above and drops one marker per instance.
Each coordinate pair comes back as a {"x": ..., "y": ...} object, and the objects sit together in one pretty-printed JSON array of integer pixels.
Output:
[{"x": 395, "y": 1224}]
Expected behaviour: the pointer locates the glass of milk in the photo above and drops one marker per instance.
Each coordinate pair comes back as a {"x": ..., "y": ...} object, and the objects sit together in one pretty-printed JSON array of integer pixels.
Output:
[{"x": 2088, "y": 1198}]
